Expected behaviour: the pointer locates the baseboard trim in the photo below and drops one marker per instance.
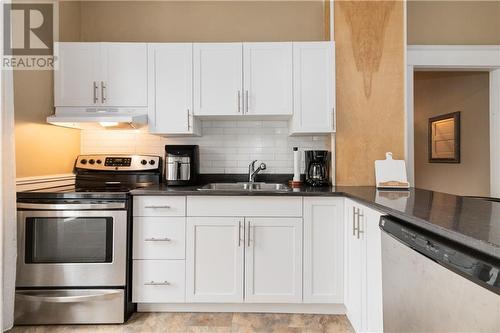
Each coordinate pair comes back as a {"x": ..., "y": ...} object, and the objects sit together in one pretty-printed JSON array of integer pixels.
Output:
[
  {"x": 236, "y": 307},
  {"x": 41, "y": 182}
]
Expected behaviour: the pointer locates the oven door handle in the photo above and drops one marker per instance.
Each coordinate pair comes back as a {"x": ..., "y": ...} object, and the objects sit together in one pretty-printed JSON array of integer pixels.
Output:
[
  {"x": 79, "y": 206},
  {"x": 29, "y": 296}
]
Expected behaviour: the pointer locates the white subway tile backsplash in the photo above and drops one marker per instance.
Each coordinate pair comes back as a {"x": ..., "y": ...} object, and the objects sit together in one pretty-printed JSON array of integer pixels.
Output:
[{"x": 225, "y": 146}]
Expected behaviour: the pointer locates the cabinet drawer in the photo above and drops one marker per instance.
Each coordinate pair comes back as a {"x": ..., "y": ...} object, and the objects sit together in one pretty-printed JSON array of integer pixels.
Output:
[
  {"x": 158, "y": 281},
  {"x": 159, "y": 206},
  {"x": 159, "y": 237},
  {"x": 244, "y": 206}
]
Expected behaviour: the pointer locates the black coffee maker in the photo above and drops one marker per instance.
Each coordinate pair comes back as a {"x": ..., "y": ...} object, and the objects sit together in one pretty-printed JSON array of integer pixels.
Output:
[{"x": 317, "y": 167}]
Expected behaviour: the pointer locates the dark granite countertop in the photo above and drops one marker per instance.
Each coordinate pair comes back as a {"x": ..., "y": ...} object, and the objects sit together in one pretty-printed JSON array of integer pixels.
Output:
[{"x": 471, "y": 222}]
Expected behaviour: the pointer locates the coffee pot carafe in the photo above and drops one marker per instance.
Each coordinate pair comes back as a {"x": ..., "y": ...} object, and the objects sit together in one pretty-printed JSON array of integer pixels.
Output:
[{"x": 317, "y": 167}]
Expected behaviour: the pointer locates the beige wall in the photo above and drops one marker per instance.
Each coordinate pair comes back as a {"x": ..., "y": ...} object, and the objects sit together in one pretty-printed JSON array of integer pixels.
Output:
[
  {"x": 369, "y": 66},
  {"x": 43, "y": 149},
  {"x": 217, "y": 21},
  {"x": 454, "y": 22},
  {"x": 370, "y": 87},
  {"x": 438, "y": 93},
  {"x": 54, "y": 148}
]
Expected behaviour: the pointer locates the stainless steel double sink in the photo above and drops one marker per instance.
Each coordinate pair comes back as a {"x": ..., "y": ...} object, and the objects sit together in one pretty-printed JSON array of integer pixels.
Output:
[{"x": 246, "y": 187}]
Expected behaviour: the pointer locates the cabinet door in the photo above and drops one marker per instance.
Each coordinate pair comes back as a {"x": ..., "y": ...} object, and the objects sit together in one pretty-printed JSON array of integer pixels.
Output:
[
  {"x": 218, "y": 79},
  {"x": 125, "y": 75},
  {"x": 171, "y": 109},
  {"x": 214, "y": 259},
  {"x": 354, "y": 272},
  {"x": 273, "y": 260},
  {"x": 76, "y": 79},
  {"x": 267, "y": 73},
  {"x": 314, "y": 87},
  {"x": 373, "y": 264},
  {"x": 323, "y": 250}
]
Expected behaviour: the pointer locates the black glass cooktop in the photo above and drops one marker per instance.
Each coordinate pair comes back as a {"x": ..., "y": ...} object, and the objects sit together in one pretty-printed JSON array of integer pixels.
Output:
[{"x": 72, "y": 191}]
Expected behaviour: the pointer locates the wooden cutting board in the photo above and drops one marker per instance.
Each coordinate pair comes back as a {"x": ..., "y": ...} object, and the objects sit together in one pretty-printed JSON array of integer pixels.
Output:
[{"x": 390, "y": 173}]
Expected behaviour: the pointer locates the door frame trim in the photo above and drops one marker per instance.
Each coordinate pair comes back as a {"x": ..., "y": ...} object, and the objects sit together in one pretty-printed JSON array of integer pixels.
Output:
[{"x": 453, "y": 58}]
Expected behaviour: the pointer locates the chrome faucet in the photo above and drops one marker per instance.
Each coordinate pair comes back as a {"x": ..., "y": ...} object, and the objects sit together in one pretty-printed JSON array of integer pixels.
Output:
[{"x": 252, "y": 173}]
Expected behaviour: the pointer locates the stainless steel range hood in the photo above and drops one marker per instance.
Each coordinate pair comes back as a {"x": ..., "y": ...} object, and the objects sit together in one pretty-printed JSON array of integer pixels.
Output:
[{"x": 99, "y": 118}]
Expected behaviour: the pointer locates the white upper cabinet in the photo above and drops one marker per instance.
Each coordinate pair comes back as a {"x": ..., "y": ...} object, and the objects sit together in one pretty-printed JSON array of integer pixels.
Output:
[
  {"x": 101, "y": 74},
  {"x": 314, "y": 88},
  {"x": 323, "y": 250},
  {"x": 125, "y": 68},
  {"x": 214, "y": 259},
  {"x": 181, "y": 82},
  {"x": 218, "y": 79},
  {"x": 76, "y": 81},
  {"x": 273, "y": 260},
  {"x": 171, "y": 93},
  {"x": 267, "y": 75}
]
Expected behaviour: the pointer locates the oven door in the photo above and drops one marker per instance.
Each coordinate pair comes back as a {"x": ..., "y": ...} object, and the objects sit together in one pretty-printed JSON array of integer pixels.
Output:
[{"x": 71, "y": 248}]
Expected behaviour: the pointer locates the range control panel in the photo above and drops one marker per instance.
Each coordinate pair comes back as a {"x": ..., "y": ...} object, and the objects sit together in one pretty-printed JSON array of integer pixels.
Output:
[{"x": 118, "y": 162}]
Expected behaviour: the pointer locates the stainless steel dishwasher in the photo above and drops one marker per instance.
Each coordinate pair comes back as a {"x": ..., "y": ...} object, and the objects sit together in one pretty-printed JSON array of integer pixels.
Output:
[{"x": 433, "y": 285}]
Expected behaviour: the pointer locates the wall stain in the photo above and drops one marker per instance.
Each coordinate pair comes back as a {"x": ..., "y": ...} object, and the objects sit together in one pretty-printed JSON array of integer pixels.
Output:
[{"x": 367, "y": 22}]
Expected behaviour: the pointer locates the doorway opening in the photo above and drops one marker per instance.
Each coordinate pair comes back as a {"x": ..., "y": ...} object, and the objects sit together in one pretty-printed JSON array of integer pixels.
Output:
[{"x": 462, "y": 93}]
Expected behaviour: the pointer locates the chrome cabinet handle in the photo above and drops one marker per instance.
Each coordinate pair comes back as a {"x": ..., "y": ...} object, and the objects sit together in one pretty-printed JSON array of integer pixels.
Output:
[
  {"x": 248, "y": 239},
  {"x": 154, "y": 283},
  {"x": 103, "y": 92},
  {"x": 95, "y": 92},
  {"x": 239, "y": 101},
  {"x": 239, "y": 233},
  {"x": 354, "y": 213},
  {"x": 359, "y": 231},
  {"x": 152, "y": 239},
  {"x": 246, "y": 100},
  {"x": 333, "y": 119},
  {"x": 189, "y": 120},
  {"x": 157, "y": 207}
]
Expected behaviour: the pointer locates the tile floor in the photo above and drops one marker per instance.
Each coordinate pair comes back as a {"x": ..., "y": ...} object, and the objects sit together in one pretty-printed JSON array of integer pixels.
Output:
[{"x": 209, "y": 322}]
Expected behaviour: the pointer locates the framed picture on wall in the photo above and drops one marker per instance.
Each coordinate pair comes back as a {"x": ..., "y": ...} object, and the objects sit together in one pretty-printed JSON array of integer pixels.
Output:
[{"x": 444, "y": 138}]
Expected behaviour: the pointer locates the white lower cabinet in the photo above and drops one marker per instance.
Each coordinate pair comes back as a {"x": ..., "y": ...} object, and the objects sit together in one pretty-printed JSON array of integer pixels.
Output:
[
  {"x": 273, "y": 260},
  {"x": 214, "y": 259},
  {"x": 315, "y": 250},
  {"x": 363, "y": 268},
  {"x": 158, "y": 281},
  {"x": 226, "y": 255},
  {"x": 323, "y": 250}
]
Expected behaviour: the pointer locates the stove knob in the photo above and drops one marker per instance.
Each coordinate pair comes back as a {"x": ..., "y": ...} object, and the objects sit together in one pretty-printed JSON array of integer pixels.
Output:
[
  {"x": 152, "y": 162},
  {"x": 144, "y": 162},
  {"x": 83, "y": 161},
  {"x": 91, "y": 161},
  {"x": 98, "y": 161}
]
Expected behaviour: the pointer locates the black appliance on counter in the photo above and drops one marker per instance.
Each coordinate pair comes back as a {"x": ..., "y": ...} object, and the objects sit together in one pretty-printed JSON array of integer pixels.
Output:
[
  {"x": 181, "y": 164},
  {"x": 317, "y": 167},
  {"x": 74, "y": 243}
]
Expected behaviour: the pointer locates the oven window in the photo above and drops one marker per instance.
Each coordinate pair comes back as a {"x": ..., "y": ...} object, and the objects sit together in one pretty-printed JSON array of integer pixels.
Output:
[{"x": 69, "y": 240}]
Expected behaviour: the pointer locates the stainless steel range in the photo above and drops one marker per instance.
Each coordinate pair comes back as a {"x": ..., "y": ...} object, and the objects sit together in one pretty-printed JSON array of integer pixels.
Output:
[{"x": 73, "y": 254}]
